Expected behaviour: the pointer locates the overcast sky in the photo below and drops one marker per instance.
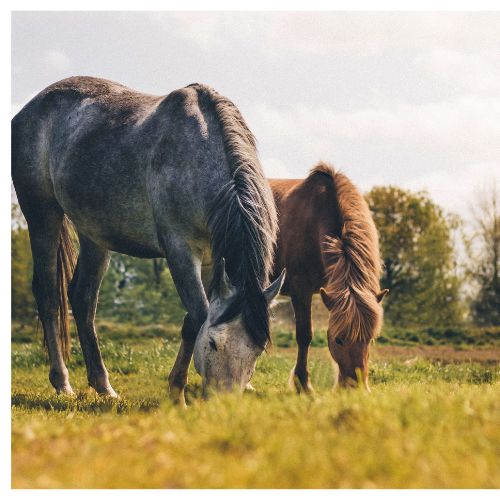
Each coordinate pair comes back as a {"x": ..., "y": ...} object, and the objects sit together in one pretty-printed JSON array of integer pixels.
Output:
[{"x": 411, "y": 99}]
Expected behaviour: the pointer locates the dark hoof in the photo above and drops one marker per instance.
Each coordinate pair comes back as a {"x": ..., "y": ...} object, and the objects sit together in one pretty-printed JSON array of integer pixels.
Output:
[{"x": 300, "y": 384}]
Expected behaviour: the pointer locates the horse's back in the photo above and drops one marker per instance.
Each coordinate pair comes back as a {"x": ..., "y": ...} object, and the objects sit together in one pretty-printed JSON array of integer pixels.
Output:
[
  {"x": 72, "y": 147},
  {"x": 112, "y": 157},
  {"x": 68, "y": 111},
  {"x": 307, "y": 212},
  {"x": 113, "y": 98}
]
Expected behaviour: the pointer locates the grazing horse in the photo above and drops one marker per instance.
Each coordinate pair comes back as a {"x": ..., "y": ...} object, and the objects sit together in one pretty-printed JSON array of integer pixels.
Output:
[
  {"x": 329, "y": 244},
  {"x": 173, "y": 176}
]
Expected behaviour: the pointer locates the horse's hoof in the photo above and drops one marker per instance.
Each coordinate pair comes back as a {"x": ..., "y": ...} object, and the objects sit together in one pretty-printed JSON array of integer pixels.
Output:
[
  {"x": 177, "y": 397},
  {"x": 300, "y": 386},
  {"x": 249, "y": 388},
  {"x": 60, "y": 381},
  {"x": 181, "y": 403},
  {"x": 304, "y": 388},
  {"x": 103, "y": 387},
  {"x": 108, "y": 392},
  {"x": 65, "y": 390}
]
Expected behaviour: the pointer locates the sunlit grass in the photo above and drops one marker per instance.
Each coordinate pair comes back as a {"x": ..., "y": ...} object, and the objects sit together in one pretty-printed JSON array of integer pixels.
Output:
[{"x": 424, "y": 425}]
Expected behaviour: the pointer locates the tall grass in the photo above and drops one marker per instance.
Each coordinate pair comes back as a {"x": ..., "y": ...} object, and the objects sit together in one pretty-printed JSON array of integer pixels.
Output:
[{"x": 425, "y": 424}]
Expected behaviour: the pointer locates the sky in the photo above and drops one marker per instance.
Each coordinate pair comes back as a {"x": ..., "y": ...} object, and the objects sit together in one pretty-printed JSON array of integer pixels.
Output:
[{"x": 401, "y": 98}]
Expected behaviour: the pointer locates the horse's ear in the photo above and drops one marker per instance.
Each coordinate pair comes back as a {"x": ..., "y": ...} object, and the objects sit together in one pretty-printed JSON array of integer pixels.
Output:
[
  {"x": 382, "y": 294},
  {"x": 274, "y": 288},
  {"x": 226, "y": 288},
  {"x": 327, "y": 300}
]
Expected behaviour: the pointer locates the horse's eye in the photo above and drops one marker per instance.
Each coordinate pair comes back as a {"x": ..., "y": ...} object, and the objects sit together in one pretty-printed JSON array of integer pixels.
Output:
[
  {"x": 339, "y": 341},
  {"x": 212, "y": 344}
]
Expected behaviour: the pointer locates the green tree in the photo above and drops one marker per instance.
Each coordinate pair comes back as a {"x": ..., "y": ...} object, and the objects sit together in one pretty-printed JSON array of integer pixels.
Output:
[
  {"x": 23, "y": 307},
  {"x": 418, "y": 256},
  {"x": 485, "y": 258},
  {"x": 136, "y": 290},
  {"x": 140, "y": 291}
]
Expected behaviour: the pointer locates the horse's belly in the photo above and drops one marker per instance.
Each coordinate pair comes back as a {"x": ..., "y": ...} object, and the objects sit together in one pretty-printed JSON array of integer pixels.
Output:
[
  {"x": 137, "y": 239},
  {"x": 116, "y": 216}
]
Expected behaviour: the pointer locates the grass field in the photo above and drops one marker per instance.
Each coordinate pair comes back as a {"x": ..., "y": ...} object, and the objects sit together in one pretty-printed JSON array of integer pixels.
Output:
[{"x": 427, "y": 423}]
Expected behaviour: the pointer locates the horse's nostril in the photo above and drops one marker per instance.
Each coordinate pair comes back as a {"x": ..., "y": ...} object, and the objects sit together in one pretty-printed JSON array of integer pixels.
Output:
[{"x": 212, "y": 344}]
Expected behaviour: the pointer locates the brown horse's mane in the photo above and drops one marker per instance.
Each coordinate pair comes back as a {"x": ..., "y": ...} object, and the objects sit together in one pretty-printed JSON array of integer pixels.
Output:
[{"x": 352, "y": 263}]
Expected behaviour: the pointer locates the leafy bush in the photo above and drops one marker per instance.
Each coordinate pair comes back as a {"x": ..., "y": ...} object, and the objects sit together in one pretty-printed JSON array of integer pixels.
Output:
[{"x": 460, "y": 335}]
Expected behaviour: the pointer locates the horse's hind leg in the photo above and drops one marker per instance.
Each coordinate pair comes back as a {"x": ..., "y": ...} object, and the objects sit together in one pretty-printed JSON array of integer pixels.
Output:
[
  {"x": 45, "y": 224},
  {"x": 92, "y": 264},
  {"x": 303, "y": 333}
]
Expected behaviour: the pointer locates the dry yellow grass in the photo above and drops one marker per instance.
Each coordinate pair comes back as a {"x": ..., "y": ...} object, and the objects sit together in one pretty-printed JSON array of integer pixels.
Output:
[{"x": 424, "y": 425}]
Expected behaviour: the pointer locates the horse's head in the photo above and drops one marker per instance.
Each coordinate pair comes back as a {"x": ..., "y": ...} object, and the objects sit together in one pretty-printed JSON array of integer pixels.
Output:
[
  {"x": 350, "y": 331},
  {"x": 224, "y": 353}
]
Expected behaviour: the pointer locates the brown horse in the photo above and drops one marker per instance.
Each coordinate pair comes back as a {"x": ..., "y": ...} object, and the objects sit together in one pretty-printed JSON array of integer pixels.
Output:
[{"x": 328, "y": 243}]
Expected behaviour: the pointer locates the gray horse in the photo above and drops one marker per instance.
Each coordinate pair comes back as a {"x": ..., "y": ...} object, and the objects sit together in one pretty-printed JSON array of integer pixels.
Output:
[{"x": 175, "y": 176}]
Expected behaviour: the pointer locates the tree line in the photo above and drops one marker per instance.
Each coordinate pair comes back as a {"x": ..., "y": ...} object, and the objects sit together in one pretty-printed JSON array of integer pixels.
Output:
[{"x": 439, "y": 270}]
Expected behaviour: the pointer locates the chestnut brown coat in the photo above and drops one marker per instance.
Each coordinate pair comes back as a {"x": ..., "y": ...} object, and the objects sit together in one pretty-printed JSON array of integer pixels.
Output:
[{"x": 328, "y": 243}]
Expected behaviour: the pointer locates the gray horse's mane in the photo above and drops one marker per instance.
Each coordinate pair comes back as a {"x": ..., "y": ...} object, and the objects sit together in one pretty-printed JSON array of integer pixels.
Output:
[{"x": 242, "y": 221}]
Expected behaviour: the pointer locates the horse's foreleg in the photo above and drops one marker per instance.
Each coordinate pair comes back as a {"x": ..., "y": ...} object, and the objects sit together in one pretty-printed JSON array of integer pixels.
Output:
[
  {"x": 185, "y": 267},
  {"x": 178, "y": 378},
  {"x": 92, "y": 264},
  {"x": 303, "y": 334}
]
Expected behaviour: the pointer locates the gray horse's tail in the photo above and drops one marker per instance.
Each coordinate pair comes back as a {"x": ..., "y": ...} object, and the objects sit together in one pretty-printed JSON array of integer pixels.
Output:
[{"x": 66, "y": 261}]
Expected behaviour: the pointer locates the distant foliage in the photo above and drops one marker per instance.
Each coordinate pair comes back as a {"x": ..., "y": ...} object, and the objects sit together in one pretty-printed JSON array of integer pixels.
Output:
[
  {"x": 485, "y": 259},
  {"x": 418, "y": 256},
  {"x": 23, "y": 306},
  {"x": 139, "y": 291},
  {"x": 133, "y": 290},
  {"x": 416, "y": 239}
]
